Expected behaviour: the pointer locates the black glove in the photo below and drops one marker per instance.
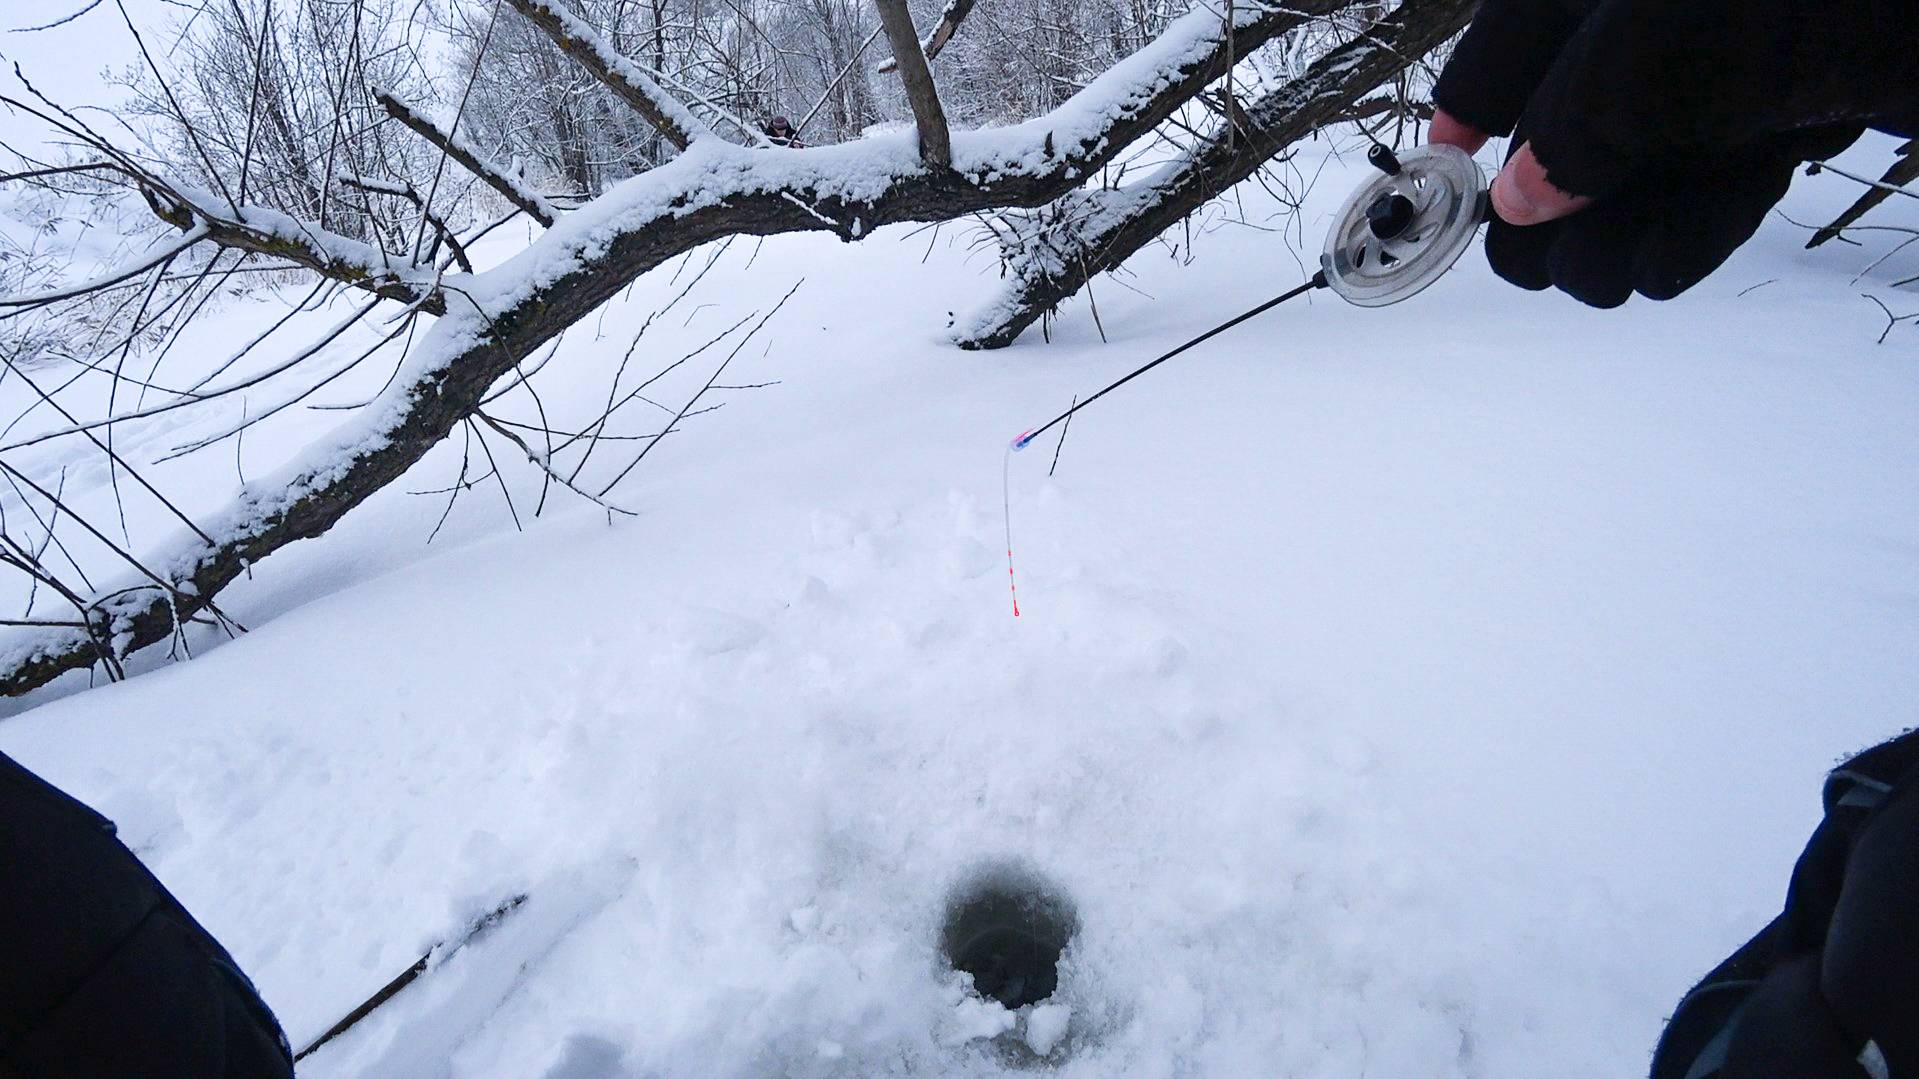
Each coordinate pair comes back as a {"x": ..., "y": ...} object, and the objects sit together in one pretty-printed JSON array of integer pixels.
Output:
[
  {"x": 1834, "y": 980},
  {"x": 1683, "y": 119}
]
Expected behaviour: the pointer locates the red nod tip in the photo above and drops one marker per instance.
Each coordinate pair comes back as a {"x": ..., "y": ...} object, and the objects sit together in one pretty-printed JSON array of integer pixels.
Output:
[{"x": 1020, "y": 442}]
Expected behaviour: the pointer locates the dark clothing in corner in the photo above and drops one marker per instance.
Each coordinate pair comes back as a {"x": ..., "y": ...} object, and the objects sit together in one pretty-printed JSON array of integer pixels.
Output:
[
  {"x": 1830, "y": 988},
  {"x": 104, "y": 973}
]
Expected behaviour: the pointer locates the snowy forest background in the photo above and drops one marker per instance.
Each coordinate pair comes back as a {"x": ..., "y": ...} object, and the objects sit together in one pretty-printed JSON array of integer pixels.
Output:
[
  {"x": 286, "y": 93},
  {"x": 291, "y": 84}
]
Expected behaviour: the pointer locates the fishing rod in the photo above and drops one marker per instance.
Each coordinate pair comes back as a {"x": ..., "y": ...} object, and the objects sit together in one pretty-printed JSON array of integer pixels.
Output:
[
  {"x": 1393, "y": 237},
  {"x": 1318, "y": 280}
]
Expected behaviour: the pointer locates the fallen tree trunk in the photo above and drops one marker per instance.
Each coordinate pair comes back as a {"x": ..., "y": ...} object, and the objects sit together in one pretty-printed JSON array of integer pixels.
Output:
[
  {"x": 713, "y": 190},
  {"x": 1051, "y": 254}
]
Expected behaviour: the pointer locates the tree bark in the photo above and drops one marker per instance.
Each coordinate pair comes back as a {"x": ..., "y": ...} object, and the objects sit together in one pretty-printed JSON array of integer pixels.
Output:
[{"x": 936, "y": 145}]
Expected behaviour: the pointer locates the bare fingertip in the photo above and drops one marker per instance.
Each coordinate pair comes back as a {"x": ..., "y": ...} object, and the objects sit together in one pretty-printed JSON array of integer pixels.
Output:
[
  {"x": 1511, "y": 203},
  {"x": 1522, "y": 195},
  {"x": 1451, "y": 131}
]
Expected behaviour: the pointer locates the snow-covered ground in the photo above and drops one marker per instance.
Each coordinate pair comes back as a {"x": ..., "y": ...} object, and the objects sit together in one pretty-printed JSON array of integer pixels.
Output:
[{"x": 1433, "y": 690}]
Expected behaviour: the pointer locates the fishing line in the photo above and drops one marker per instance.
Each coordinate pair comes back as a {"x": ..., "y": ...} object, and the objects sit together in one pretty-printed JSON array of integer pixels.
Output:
[
  {"x": 1006, "y": 504},
  {"x": 1318, "y": 280},
  {"x": 1395, "y": 235}
]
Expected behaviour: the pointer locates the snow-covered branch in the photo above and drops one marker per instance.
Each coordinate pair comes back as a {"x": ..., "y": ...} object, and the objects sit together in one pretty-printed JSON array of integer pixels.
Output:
[
  {"x": 584, "y": 44},
  {"x": 270, "y": 232},
  {"x": 494, "y": 176},
  {"x": 1052, "y": 254},
  {"x": 950, "y": 19}
]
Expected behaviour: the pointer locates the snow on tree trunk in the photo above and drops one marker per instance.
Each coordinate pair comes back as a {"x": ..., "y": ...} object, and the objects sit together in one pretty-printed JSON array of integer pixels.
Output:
[
  {"x": 1051, "y": 253},
  {"x": 712, "y": 190}
]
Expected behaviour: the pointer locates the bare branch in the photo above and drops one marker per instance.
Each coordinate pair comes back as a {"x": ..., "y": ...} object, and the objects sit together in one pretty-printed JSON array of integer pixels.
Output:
[
  {"x": 541, "y": 462},
  {"x": 1903, "y": 171},
  {"x": 827, "y": 94},
  {"x": 442, "y": 232},
  {"x": 112, "y": 277},
  {"x": 1892, "y": 320},
  {"x": 686, "y": 409},
  {"x": 58, "y": 170},
  {"x": 62, "y": 21}
]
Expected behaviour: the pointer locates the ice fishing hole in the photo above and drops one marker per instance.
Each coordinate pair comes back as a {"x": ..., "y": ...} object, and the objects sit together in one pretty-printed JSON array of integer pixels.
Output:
[{"x": 1007, "y": 926}]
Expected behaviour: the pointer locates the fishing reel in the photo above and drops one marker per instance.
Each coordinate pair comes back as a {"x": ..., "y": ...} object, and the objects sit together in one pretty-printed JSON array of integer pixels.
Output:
[
  {"x": 1404, "y": 228},
  {"x": 1397, "y": 234}
]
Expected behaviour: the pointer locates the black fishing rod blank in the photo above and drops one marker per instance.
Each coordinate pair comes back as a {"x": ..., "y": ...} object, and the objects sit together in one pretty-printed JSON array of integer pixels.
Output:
[{"x": 1400, "y": 232}]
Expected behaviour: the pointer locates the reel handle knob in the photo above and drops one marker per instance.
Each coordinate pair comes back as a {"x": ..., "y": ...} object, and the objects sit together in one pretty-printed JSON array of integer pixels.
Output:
[
  {"x": 1406, "y": 225},
  {"x": 1390, "y": 215}
]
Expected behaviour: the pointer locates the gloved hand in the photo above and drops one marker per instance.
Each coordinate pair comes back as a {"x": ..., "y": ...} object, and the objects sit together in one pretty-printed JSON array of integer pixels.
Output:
[{"x": 1654, "y": 135}]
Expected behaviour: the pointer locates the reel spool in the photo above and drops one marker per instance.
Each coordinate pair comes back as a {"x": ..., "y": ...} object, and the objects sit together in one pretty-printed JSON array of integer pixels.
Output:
[{"x": 1399, "y": 232}]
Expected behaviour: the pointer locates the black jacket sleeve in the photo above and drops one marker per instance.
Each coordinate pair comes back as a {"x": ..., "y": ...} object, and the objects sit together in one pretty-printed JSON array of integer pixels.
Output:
[
  {"x": 1607, "y": 89},
  {"x": 1684, "y": 119},
  {"x": 1503, "y": 57},
  {"x": 105, "y": 973},
  {"x": 1833, "y": 981}
]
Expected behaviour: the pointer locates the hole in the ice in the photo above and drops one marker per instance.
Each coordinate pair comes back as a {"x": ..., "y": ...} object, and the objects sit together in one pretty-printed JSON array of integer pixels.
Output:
[{"x": 1007, "y": 925}]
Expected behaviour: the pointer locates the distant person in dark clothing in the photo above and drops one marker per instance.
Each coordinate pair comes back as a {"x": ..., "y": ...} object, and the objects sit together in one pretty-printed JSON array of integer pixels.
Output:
[
  {"x": 780, "y": 132},
  {"x": 102, "y": 972},
  {"x": 1649, "y": 140}
]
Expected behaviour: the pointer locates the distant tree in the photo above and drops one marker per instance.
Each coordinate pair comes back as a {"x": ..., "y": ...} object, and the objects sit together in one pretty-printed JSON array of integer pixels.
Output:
[{"x": 275, "y": 105}]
